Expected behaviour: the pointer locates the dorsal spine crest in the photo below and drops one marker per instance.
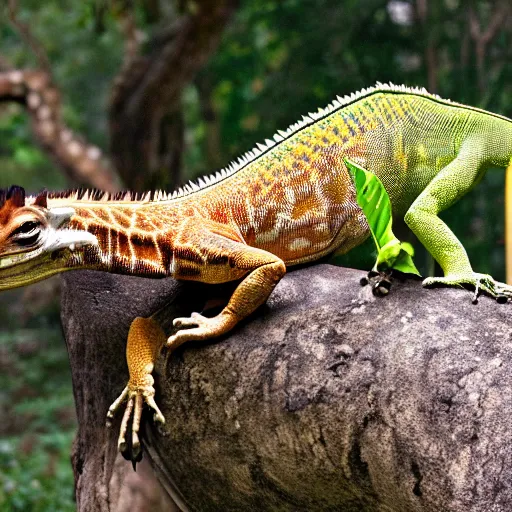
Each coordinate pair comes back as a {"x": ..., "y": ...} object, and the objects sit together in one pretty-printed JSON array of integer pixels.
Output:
[{"x": 250, "y": 156}]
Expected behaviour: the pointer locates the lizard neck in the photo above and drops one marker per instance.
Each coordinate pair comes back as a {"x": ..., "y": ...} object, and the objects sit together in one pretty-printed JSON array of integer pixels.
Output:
[{"x": 133, "y": 239}]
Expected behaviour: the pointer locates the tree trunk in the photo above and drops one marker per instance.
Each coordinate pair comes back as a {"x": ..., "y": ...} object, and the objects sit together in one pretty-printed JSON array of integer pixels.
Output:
[
  {"x": 150, "y": 88},
  {"x": 327, "y": 399}
]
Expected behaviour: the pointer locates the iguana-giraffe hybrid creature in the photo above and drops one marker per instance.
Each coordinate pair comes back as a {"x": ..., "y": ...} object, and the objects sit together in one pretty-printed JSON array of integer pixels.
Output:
[{"x": 286, "y": 202}]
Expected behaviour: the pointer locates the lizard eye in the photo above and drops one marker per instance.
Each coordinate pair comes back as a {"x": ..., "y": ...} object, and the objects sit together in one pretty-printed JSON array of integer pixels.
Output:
[{"x": 27, "y": 234}]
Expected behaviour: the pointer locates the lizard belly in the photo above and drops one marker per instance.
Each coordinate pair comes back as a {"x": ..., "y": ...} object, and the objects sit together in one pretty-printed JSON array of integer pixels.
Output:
[
  {"x": 312, "y": 219},
  {"x": 301, "y": 244}
]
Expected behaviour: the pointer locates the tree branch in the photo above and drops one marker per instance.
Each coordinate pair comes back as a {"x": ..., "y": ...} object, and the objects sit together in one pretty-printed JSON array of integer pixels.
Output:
[
  {"x": 205, "y": 85},
  {"x": 82, "y": 162},
  {"x": 430, "y": 54},
  {"x": 152, "y": 86},
  {"x": 132, "y": 36},
  {"x": 482, "y": 38},
  {"x": 5, "y": 65},
  {"x": 325, "y": 399}
]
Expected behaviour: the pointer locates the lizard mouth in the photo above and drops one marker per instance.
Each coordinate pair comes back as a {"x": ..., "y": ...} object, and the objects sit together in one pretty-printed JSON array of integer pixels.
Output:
[
  {"x": 28, "y": 271},
  {"x": 50, "y": 249},
  {"x": 54, "y": 255}
]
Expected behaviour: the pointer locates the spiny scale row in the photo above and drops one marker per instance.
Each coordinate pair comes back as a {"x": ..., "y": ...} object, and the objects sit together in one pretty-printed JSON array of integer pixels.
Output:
[
  {"x": 281, "y": 135},
  {"x": 99, "y": 195},
  {"x": 247, "y": 158}
]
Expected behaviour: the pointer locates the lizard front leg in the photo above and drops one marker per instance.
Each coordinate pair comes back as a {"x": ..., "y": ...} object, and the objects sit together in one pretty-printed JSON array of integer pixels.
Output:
[
  {"x": 263, "y": 271},
  {"x": 145, "y": 339}
]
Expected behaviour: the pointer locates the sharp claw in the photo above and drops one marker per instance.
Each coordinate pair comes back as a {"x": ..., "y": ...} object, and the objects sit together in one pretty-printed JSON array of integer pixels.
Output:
[
  {"x": 136, "y": 449},
  {"x": 129, "y": 444},
  {"x": 474, "y": 300},
  {"x": 160, "y": 429},
  {"x": 181, "y": 321},
  {"x": 158, "y": 417},
  {"x": 135, "y": 452},
  {"x": 136, "y": 457},
  {"x": 483, "y": 283},
  {"x": 194, "y": 320}
]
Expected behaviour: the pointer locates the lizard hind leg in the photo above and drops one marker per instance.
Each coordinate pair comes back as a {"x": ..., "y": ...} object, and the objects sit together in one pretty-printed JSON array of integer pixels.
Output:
[{"x": 449, "y": 185}]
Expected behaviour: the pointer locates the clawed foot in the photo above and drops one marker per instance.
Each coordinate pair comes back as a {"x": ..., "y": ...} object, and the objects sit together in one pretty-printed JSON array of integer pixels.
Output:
[
  {"x": 199, "y": 327},
  {"x": 135, "y": 397},
  {"x": 379, "y": 281},
  {"x": 481, "y": 283}
]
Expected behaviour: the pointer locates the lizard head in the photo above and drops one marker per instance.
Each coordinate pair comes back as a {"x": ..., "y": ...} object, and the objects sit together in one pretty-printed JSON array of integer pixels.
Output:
[{"x": 35, "y": 241}]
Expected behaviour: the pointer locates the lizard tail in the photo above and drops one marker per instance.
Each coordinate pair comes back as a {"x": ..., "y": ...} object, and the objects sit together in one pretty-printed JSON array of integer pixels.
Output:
[{"x": 508, "y": 222}]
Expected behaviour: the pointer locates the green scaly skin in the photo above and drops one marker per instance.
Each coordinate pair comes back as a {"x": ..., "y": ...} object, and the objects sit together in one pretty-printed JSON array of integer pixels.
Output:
[{"x": 440, "y": 165}]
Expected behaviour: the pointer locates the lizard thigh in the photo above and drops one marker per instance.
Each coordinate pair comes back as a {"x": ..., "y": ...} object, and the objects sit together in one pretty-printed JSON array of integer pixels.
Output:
[{"x": 448, "y": 186}]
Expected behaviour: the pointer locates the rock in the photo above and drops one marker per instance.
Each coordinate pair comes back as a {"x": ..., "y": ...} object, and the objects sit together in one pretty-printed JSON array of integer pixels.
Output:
[{"x": 327, "y": 399}]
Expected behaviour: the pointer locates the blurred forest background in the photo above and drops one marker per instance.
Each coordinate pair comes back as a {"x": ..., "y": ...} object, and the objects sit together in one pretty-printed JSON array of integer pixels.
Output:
[{"x": 143, "y": 94}]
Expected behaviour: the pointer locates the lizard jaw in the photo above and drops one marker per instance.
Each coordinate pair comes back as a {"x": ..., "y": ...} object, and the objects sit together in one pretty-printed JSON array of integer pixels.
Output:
[
  {"x": 64, "y": 238},
  {"x": 50, "y": 256},
  {"x": 21, "y": 270},
  {"x": 55, "y": 240}
]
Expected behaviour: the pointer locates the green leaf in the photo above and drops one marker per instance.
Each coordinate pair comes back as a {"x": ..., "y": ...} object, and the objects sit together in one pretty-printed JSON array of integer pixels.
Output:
[{"x": 373, "y": 199}]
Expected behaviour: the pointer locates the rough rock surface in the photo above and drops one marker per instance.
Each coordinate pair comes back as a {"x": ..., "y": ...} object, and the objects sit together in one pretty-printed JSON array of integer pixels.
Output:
[{"x": 328, "y": 399}]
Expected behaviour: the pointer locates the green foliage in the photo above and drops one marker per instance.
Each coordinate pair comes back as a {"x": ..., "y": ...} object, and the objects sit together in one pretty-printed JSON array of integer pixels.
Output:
[
  {"x": 39, "y": 481},
  {"x": 20, "y": 160},
  {"x": 38, "y": 422},
  {"x": 373, "y": 199}
]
